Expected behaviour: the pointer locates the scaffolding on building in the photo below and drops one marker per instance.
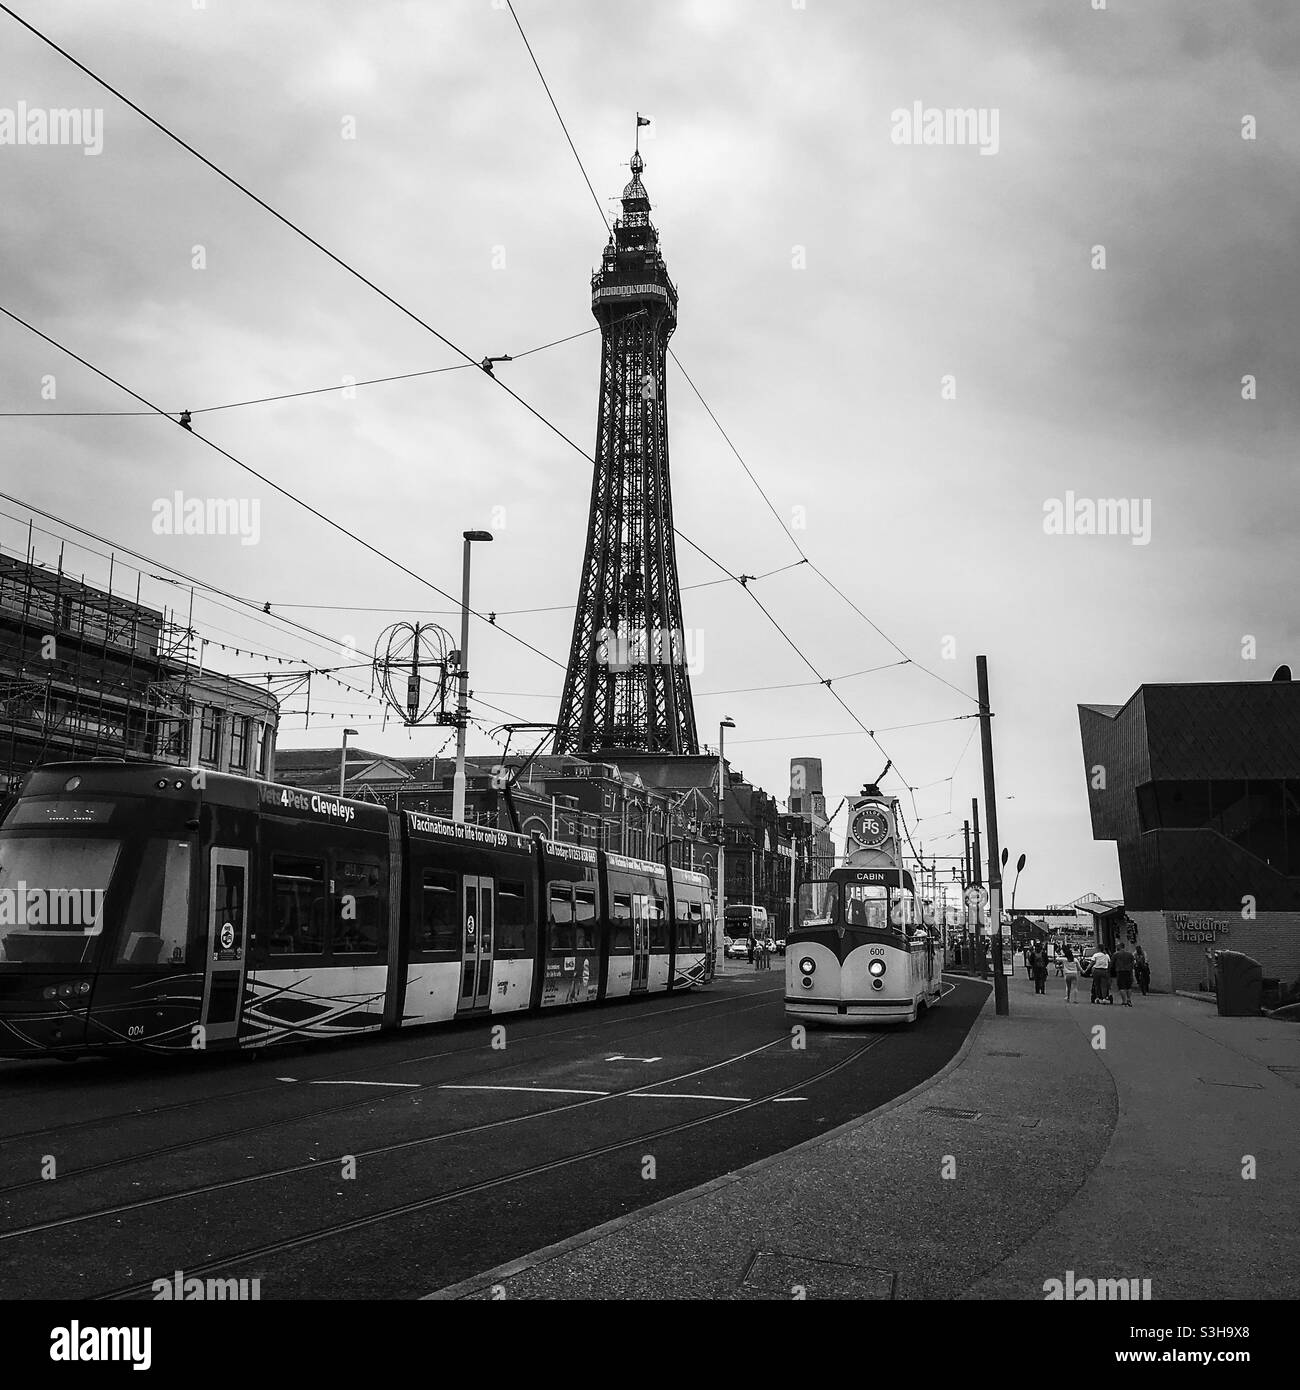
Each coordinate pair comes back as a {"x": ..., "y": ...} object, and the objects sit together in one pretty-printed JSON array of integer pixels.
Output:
[{"x": 89, "y": 673}]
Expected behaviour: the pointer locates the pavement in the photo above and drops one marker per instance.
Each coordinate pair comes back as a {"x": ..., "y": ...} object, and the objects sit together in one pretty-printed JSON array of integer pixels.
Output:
[{"x": 1157, "y": 1142}]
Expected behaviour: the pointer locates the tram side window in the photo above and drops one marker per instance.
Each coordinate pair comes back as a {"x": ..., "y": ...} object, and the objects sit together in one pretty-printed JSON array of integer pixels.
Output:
[
  {"x": 658, "y": 916},
  {"x": 692, "y": 928},
  {"x": 298, "y": 894},
  {"x": 156, "y": 928},
  {"x": 584, "y": 918},
  {"x": 439, "y": 912},
  {"x": 512, "y": 918},
  {"x": 561, "y": 917},
  {"x": 621, "y": 928},
  {"x": 358, "y": 907}
]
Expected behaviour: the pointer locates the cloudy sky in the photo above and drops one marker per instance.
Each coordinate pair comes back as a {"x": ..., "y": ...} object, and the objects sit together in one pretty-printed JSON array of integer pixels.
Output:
[{"x": 913, "y": 346}]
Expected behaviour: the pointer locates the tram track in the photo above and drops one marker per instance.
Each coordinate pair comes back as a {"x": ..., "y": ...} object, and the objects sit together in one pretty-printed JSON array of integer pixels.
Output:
[
  {"x": 467, "y": 1190},
  {"x": 371, "y": 1065},
  {"x": 367, "y": 1102}
]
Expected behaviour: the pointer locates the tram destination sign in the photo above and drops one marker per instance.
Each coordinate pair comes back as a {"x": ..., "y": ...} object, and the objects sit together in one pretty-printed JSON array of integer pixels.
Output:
[{"x": 289, "y": 799}]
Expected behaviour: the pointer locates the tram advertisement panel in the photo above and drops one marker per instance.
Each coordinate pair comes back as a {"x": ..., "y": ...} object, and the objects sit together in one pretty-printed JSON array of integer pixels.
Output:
[{"x": 571, "y": 979}]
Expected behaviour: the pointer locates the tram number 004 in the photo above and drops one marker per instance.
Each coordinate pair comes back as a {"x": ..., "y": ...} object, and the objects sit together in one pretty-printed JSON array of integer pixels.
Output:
[{"x": 135, "y": 1030}]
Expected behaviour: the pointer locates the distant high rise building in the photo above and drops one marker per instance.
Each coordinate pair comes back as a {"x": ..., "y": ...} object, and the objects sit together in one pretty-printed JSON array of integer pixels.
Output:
[{"x": 627, "y": 688}]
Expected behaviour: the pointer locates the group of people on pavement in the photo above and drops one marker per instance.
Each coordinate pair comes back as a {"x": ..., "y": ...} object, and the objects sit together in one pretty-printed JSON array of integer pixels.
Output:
[
  {"x": 760, "y": 953},
  {"x": 1122, "y": 967}
]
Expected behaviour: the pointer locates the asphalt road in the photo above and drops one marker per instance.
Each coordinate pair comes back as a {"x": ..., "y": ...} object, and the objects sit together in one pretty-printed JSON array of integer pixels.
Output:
[{"x": 391, "y": 1167}]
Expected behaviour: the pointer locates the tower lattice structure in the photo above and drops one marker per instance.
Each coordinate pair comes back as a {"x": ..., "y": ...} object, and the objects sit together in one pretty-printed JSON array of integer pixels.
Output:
[{"x": 627, "y": 686}]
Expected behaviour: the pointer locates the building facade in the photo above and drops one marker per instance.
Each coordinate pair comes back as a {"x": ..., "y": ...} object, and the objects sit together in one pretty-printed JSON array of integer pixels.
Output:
[
  {"x": 1199, "y": 786},
  {"x": 86, "y": 673}
]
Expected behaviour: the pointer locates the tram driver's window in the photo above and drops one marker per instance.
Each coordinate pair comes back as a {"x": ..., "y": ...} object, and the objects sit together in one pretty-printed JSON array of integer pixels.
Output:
[
  {"x": 298, "y": 901},
  {"x": 620, "y": 938},
  {"x": 156, "y": 928},
  {"x": 439, "y": 912},
  {"x": 358, "y": 908}
]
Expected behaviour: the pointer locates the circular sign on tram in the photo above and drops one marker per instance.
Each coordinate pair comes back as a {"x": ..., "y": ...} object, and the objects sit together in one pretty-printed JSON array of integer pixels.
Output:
[
  {"x": 871, "y": 826},
  {"x": 227, "y": 936}
]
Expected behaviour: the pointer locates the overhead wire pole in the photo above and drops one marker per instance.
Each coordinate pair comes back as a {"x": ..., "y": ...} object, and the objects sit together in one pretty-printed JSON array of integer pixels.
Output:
[{"x": 995, "y": 861}]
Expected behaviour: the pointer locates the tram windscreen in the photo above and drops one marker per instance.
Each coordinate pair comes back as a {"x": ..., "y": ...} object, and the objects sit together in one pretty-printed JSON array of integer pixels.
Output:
[
  {"x": 819, "y": 903},
  {"x": 52, "y": 897},
  {"x": 866, "y": 905}
]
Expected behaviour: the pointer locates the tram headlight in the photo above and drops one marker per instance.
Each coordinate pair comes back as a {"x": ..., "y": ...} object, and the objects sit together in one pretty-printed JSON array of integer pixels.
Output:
[
  {"x": 877, "y": 968},
  {"x": 877, "y": 983},
  {"x": 72, "y": 784},
  {"x": 808, "y": 965}
]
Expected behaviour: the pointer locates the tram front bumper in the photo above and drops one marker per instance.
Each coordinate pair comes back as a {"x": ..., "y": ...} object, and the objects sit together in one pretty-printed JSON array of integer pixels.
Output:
[{"x": 849, "y": 1011}]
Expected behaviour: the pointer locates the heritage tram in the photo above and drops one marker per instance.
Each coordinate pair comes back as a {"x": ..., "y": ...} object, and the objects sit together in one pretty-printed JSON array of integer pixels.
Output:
[
  {"x": 155, "y": 907},
  {"x": 862, "y": 950}
]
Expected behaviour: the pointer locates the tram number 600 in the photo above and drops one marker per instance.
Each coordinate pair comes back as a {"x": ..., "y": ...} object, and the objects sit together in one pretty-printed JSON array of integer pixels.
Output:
[{"x": 877, "y": 950}]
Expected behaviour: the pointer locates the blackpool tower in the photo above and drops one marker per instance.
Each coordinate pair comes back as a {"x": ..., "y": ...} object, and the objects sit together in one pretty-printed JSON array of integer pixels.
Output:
[{"x": 627, "y": 687}]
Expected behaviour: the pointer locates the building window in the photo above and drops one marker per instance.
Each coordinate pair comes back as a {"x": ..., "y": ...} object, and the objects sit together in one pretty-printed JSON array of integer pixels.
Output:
[
  {"x": 261, "y": 766},
  {"x": 238, "y": 743},
  {"x": 210, "y": 734}
]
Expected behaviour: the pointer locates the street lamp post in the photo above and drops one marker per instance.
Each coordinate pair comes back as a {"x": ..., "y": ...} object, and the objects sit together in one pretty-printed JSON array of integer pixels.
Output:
[
  {"x": 726, "y": 724},
  {"x": 462, "y": 703},
  {"x": 343, "y": 760}
]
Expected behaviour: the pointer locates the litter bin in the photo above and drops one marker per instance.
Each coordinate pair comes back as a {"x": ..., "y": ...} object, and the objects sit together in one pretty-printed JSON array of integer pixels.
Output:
[{"x": 1238, "y": 985}]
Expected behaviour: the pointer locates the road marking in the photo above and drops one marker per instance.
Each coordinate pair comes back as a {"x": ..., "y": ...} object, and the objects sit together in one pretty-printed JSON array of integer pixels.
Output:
[
  {"x": 686, "y": 1095},
  {"x": 618, "y": 1057},
  {"x": 414, "y": 1085},
  {"x": 532, "y": 1090},
  {"x": 788, "y": 1100}
]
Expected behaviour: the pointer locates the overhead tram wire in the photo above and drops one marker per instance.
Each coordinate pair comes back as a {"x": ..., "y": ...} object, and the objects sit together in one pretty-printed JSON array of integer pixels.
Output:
[
  {"x": 284, "y": 492},
  {"x": 409, "y": 313},
  {"x": 286, "y": 396}
]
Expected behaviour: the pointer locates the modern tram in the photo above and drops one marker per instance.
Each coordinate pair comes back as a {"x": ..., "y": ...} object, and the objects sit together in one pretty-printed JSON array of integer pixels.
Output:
[
  {"x": 862, "y": 950},
  {"x": 168, "y": 909}
]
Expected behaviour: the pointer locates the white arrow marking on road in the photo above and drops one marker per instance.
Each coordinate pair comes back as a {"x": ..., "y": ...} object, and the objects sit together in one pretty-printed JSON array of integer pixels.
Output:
[{"x": 618, "y": 1057}]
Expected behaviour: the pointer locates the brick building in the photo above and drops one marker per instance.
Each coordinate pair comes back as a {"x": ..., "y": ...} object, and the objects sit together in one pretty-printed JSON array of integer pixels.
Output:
[{"x": 1199, "y": 786}]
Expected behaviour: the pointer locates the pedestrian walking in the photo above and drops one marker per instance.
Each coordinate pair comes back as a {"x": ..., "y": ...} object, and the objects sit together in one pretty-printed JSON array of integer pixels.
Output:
[
  {"x": 1142, "y": 970},
  {"x": 1101, "y": 976},
  {"x": 1040, "y": 970},
  {"x": 1070, "y": 969},
  {"x": 751, "y": 950},
  {"x": 1123, "y": 961}
]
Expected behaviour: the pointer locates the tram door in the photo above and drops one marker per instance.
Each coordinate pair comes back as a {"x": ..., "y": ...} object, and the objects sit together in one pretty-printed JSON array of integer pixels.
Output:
[
  {"x": 640, "y": 942},
  {"x": 476, "y": 961},
  {"x": 227, "y": 938}
]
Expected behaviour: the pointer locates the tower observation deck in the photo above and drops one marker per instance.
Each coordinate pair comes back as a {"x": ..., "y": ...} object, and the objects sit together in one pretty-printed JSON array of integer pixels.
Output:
[{"x": 627, "y": 686}]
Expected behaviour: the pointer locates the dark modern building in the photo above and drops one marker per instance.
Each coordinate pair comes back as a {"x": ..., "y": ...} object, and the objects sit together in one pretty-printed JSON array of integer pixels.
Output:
[
  {"x": 1199, "y": 786},
  {"x": 87, "y": 673}
]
